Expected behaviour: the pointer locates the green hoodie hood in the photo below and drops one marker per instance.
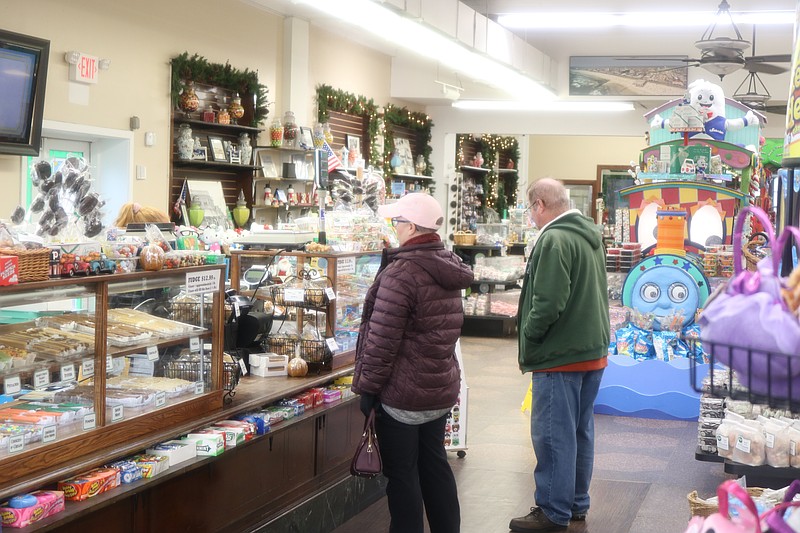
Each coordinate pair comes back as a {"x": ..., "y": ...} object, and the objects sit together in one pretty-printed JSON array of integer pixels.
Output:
[{"x": 580, "y": 224}]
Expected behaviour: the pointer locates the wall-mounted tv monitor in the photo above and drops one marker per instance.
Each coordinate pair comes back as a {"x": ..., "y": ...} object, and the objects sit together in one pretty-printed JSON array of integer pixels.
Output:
[{"x": 23, "y": 75}]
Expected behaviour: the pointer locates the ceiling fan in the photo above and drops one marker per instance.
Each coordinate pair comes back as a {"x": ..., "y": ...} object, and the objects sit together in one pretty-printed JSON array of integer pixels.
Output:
[
  {"x": 724, "y": 55},
  {"x": 755, "y": 95}
]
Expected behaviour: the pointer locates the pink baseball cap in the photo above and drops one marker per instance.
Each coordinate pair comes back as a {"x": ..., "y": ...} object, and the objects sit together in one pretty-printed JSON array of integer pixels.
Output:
[{"x": 418, "y": 207}]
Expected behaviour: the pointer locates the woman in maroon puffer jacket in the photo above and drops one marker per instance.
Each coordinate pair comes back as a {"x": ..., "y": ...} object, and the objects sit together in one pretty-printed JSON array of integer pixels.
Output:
[{"x": 406, "y": 365}]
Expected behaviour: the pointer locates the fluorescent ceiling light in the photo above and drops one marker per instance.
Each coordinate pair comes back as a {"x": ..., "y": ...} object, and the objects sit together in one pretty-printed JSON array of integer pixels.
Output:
[
  {"x": 555, "y": 106},
  {"x": 639, "y": 19},
  {"x": 412, "y": 35}
]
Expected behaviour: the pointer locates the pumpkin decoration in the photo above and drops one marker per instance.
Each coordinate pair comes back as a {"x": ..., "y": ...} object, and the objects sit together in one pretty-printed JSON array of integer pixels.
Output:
[
  {"x": 297, "y": 367},
  {"x": 152, "y": 257}
]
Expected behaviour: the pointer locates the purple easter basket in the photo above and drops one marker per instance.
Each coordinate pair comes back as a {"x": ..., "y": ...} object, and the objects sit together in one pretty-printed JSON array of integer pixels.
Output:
[{"x": 748, "y": 326}]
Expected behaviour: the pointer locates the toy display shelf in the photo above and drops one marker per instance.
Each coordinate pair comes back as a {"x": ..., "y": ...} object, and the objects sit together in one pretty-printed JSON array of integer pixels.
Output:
[{"x": 666, "y": 176}]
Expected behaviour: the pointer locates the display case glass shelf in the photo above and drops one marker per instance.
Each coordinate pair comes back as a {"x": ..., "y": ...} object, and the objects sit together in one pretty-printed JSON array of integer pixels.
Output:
[{"x": 84, "y": 364}]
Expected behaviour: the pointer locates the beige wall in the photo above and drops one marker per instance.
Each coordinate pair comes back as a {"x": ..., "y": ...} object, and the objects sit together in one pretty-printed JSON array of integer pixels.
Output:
[
  {"x": 140, "y": 38},
  {"x": 575, "y": 157}
]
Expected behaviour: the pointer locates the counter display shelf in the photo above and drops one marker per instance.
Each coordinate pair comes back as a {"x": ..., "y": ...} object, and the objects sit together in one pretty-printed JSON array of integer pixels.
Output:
[
  {"x": 349, "y": 275},
  {"x": 254, "y": 482},
  {"x": 83, "y": 373}
]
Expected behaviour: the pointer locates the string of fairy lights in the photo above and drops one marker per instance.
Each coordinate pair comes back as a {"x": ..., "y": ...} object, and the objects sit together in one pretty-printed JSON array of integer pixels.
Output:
[
  {"x": 379, "y": 122},
  {"x": 491, "y": 147}
]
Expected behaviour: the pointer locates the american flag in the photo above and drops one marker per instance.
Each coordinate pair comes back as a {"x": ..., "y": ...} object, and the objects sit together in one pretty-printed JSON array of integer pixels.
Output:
[
  {"x": 333, "y": 161},
  {"x": 181, "y": 201}
]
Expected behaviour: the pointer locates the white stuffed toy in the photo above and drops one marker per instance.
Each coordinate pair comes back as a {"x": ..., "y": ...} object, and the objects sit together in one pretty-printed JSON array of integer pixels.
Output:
[{"x": 709, "y": 100}]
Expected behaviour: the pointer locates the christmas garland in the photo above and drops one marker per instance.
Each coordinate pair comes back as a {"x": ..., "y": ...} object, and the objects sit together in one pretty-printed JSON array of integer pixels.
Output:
[
  {"x": 330, "y": 99},
  {"x": 420, "y": 123},
  {"x": 197, "y": 68},
  {"x": 490, "y": 147}
]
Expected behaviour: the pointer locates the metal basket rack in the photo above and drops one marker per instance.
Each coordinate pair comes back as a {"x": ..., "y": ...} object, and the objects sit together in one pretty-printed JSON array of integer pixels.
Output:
[
  {"x": 190, "y": 370},
  {"x": 778, "y": 386}
]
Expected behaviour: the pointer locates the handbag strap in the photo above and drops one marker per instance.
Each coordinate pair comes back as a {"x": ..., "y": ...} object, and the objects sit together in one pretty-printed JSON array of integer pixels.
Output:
[
  {"x": 738, "y": 234},
  {"x": 731, "y": 488},
  {"x": 786, "y": 236},
  {"x": 369, "y": 421}
]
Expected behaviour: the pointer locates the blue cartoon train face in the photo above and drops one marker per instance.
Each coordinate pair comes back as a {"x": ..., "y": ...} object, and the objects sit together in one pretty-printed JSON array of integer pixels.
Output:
[{"x": 668, "y": 286}]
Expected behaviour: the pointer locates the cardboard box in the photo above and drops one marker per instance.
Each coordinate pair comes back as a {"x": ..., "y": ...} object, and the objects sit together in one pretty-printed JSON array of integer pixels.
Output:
[
  {"x": 247, "y": 427},
  {"x": 48, "y": 503},
  {"x": 268, "y": 364},
  {"x": 129, "y": 471},
  {"x": 9, "y": 270},
  {"x": 89, "y": 484},
  {"x": 151, "y": 464},
  {"x": 176, "y": 451},
  {"x": 208, "y": 442},
  {"x": 233, "y": 436}
]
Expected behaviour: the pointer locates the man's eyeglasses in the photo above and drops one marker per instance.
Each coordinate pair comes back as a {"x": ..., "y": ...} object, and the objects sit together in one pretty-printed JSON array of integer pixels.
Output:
[{"x": 398, "y": 220}]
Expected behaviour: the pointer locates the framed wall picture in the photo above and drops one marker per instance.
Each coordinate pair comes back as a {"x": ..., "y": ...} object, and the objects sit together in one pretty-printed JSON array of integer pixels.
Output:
[
  {"x": 306, "y": 140},
  {"x": 200, "y": 154},
  {"x": 354, "y": 147},
  {"x": 217, "y": 148}
]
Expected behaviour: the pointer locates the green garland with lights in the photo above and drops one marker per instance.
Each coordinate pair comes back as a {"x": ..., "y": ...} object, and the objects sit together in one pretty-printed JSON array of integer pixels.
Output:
[
  {"x": 330, "y": 99},
  {"x": 198, "y": 69},
  {"x": 422, "y": 126},
  {"x": 490, "y": 147}
]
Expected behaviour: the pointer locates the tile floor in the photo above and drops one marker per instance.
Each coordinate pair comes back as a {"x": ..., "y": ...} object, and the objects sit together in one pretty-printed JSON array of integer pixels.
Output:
[{"x": 643, "y": 468}]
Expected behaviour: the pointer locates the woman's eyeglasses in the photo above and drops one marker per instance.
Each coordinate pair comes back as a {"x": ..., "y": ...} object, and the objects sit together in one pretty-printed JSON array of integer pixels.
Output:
[{"x": 398, "y": 220}]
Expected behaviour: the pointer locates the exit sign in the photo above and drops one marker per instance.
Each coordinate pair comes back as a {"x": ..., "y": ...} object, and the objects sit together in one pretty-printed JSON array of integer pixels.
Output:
[{"x": 85, "y": 70}]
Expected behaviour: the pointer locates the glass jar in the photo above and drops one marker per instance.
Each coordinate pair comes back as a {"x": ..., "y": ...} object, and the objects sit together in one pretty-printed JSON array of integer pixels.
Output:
[
  {"x": 245, "y": 148},
  {"x": 188, "y": 101},
  {"x": 276, "y": 133},
  {"x": 318, "y": 135},
  {"x": 208, "y": 114},
  {"x": 223, "y": 117},
  {"x": 290, "y": 131},
  {"x": 236, "y": 109},
  {"x": 326, "y": 131}
]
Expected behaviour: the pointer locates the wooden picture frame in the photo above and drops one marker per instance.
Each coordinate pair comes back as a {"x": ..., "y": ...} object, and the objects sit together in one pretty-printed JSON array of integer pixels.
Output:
[
  {"x": 217, "y": 148},
  {"x": 200, "y": 154},
  {"x": 306, "y": 139},
  {"x": 353, "y": 143}
]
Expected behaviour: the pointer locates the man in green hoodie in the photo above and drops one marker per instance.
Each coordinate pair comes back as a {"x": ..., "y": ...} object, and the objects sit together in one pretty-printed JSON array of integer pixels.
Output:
[{"x": 563, "y": 341}]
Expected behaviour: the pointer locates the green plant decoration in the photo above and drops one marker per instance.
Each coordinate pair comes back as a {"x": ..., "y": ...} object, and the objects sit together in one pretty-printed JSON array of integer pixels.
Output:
[
  {"x": 330, "y": 99},
  {"x": 419, "y": 122},
  {"x": 491, "y": 147},
  {"x": 199, "y": 69}
]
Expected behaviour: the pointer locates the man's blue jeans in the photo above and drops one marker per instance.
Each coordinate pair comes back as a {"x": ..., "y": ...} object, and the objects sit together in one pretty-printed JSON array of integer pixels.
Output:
[{"x": 562, "y": 431}]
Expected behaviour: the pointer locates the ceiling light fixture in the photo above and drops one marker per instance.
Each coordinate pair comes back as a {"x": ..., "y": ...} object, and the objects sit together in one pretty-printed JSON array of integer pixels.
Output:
[
  {"x": 419, "y": 38},
  {"x": 639, "y": 19},
  {"x": 554, "y": 106}
]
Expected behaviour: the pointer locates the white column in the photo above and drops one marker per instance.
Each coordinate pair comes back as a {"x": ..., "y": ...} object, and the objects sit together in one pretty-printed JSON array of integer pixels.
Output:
[{"x": 295, "y": 91}]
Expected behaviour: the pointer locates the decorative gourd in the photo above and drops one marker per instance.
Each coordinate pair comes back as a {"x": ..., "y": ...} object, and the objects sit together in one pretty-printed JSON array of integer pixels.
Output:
[
  {"x": 152, "y": 257},
  {"x": 297, "y": 367}
]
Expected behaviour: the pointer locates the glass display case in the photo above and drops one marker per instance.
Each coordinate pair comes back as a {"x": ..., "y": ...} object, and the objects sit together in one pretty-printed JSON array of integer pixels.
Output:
[
  {"x": 85, "y": 364},
  {"x": 336, "y": 315}
]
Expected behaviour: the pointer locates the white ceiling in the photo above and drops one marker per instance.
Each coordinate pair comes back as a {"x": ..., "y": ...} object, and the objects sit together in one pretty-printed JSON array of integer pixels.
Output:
[{"x": 560, "y": 44}]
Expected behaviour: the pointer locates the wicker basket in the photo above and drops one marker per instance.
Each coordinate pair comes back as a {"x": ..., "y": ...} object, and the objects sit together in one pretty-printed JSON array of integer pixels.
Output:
[
  {"x": 698, "y": 507},
  {"x": 464, "y": 238},
  {"x": 754, "y": 251},
  {"x": 33, "y": 265}
]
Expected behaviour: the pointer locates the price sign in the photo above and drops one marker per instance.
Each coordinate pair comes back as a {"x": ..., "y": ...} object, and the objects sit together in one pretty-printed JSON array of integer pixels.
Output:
[
  {"x": 346, "y": 265},
  {"x": 243, "y": 367},
  {"x": 89, "y": 422},
  {"x": 200, "y": 282},
  {"x": 41, "y": 378},
  {"x": 117, "y": 413},
  {"x": 152, "y": 353},
  {"x": 16, "y": 444},
  {"x": 12, "y": 385},
  {"x": 87, "y": 368},
  {"x": 331, "y": 342},
  {"x": 109, "y": 363},
  {"x": 330, "y": 293},
  {"x": 198, "y": 387},
  {"x": 294, "y": 295},
  {"x": 68, "y": 373},
  {"x": 161, "y": 399},
  {"x": 49, "y": 434},
  {"x": 194, "y": 344}
]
